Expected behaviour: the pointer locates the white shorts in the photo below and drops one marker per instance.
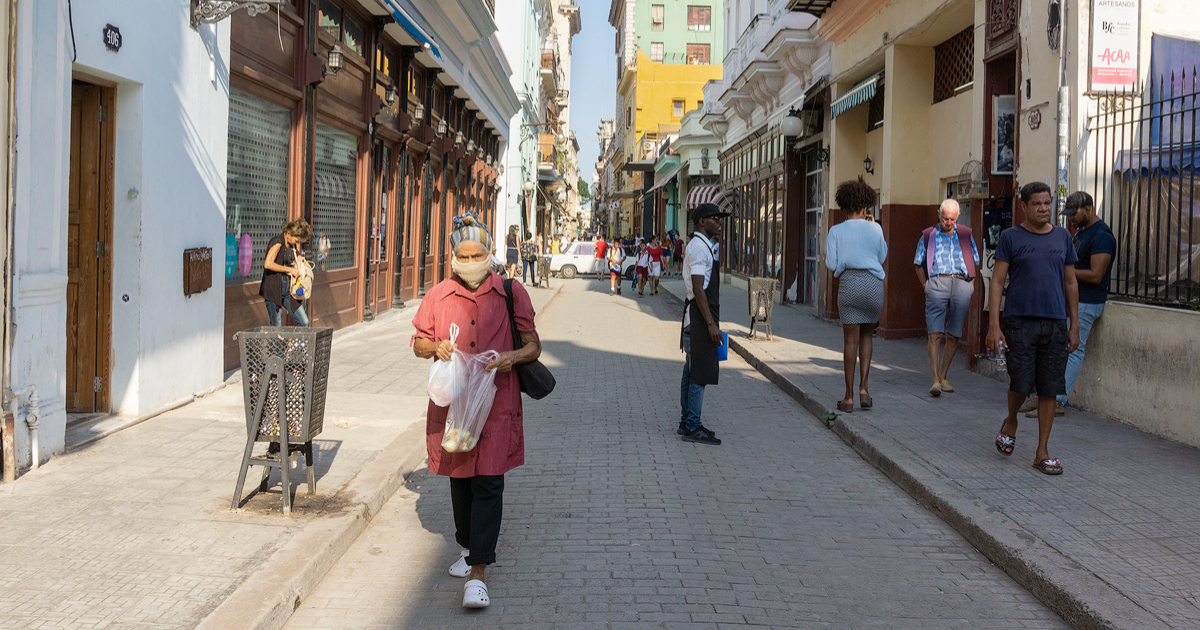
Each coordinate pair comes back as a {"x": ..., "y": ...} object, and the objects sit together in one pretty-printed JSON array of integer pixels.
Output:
[{"x": 655, "y": 269}]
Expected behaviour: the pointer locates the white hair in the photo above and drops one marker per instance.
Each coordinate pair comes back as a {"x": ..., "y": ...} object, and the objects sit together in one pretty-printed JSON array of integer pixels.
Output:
[{"x": 947, "y": 205}]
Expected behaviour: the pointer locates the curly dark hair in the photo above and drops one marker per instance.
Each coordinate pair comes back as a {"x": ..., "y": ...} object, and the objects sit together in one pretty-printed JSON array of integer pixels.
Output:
[{"x": 855, "y": 196}]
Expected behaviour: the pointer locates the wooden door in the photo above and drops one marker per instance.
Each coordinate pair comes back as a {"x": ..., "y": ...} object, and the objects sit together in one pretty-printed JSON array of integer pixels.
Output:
[
  {"x": 406, "y": 240},
  {"x": 379, "y": 217},
  {"x": 427, "y": 279},
  {"x": 89, "y": 292}
]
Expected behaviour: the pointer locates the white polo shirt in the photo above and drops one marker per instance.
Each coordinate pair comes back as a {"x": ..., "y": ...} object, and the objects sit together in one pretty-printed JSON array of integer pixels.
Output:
[{"x": 698, "y": 259}]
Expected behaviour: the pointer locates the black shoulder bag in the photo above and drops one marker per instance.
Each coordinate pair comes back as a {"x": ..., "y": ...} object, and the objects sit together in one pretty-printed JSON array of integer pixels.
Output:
[{"x": 536, "y": 380}]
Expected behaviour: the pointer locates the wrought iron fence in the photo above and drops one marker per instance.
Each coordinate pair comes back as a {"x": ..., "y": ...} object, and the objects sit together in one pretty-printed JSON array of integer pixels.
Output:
[{"x": 1144, "y": 151}]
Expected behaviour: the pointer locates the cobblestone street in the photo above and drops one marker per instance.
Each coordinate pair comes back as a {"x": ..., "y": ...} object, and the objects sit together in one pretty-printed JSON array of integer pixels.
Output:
[{"x": 614, "y": 522}]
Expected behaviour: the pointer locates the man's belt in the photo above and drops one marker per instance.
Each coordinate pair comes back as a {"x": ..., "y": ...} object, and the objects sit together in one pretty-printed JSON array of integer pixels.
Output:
[{"x": 950, "y": 275}]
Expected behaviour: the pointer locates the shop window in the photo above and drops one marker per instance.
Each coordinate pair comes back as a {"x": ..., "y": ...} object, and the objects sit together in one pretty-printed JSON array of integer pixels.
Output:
[
  {"x": 334, "y": 192},
  {"x": 954, "y": 65},
  {"x": 698, "y": 54},
  {"x": 678, "y": 108},
  {"x": 699, "y": 18},
  {"x": 344, "y": 29},
  {"x": 656, "y": 17},
  {"x": 656, "y": 51},
  {"x": 875, "y": 110},
  {"x": 257, "y": 185}
]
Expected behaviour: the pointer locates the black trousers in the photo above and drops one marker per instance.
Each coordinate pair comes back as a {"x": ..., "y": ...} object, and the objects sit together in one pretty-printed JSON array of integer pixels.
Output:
[{"x": 478, "y": 505}]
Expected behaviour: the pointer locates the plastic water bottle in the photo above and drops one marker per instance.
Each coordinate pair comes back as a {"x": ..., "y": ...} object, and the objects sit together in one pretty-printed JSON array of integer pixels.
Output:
[{"x": 1000, "y": 360}]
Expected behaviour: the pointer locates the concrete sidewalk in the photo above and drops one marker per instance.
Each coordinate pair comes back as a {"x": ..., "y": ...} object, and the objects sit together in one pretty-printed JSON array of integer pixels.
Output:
[
  {"x": 135, "y": 530},
  {"x": 1112, "y": 543}
]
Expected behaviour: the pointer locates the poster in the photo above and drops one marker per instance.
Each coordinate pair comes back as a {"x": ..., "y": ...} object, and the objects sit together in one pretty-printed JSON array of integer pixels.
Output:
[
  {"x": 245, "y": 255},
  {"x": 1004, "y": 114},
  {"x": 1114, "y": 55},
  {"x": 231, "y": 255}
]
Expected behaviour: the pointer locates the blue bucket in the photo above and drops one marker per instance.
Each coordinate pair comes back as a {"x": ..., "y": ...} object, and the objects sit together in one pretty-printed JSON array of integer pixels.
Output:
[{"x": 723, "y": 350}]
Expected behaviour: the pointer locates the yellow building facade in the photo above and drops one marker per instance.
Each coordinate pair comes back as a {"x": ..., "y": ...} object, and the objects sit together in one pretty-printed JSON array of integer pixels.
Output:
[{"x": 656, "y": 96}]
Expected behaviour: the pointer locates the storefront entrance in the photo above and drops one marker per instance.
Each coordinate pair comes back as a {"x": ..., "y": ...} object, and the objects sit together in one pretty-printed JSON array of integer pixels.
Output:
[
  {"x": 380, "y": 214},
  {"x": 89, "y": 234}
]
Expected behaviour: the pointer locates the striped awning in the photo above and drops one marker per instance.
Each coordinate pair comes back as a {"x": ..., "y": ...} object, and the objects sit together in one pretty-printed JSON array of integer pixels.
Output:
[
  {"x": 704, "y": 193},
  {"x": 727, "y": 201},
  {"x": 664, "y": 181},
  {"x": 857, "y": 95}
]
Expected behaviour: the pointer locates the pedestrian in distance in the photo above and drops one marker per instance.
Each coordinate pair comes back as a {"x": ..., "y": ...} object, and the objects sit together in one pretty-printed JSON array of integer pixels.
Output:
[
  {"x": 512, "y": 251},
  {"x": 529, "y": 255},
  {"x": 601, "y": 262},
  {"x": 1095, "y": 247},
  {"x": 1041, "y": 317},
  {"x": 677, "y": 255},
  {"x": 616, "y": 258},
  {"x": 855, "y": 251},
  {"x": 946, "y": 264},
  {"x": 474, "y": 298},
  {"x": 655, "y": 251},
  {"x": 700, "y": 336},
  {"x": 281, "y": 265},
  {"x": 642, "y": 269}
]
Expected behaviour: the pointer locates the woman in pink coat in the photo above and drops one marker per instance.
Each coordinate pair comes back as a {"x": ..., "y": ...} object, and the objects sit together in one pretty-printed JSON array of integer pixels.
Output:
[{"x": 474, "y": 299}]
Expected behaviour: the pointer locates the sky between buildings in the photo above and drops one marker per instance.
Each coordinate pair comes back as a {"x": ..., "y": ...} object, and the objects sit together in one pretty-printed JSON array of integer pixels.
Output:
[{"x": 593, "y": 80}]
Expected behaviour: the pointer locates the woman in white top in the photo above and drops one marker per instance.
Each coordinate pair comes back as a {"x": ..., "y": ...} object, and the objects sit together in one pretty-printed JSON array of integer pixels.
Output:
[{"x": 854, "y": 252}]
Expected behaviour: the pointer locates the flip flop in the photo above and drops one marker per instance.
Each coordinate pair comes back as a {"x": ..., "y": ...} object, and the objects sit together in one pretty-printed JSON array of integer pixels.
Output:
[
  {"x": 1049, "y": 467},
  {"x": 1006, "y": 443}
]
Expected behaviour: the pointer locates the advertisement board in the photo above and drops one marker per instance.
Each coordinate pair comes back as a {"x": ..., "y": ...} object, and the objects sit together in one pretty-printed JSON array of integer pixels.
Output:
[{"x": 1116, "y": 27}]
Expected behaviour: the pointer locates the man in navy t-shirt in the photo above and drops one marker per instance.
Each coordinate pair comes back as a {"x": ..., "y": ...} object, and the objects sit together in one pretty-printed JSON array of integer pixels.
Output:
[
  {"x": 1041, "y": 316},
  {"x": 1096, "y": 247}
]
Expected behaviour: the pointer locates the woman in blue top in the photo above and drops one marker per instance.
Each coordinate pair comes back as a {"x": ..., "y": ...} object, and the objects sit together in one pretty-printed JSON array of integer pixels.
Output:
[{"x": 854, "y": 252}]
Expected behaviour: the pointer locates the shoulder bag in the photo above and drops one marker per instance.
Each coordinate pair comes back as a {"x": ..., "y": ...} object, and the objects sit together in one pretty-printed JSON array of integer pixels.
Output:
[{"x": 536, "y": 380}]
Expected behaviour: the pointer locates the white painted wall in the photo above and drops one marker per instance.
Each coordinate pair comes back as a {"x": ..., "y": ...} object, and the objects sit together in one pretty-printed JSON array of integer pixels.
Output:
[
  {"x": 171, "y": 116},
  {"x": 519, "y": 36}
]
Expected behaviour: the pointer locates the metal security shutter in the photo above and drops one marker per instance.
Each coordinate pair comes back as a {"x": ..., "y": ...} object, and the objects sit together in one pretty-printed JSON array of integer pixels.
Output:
[
  {"x": 257, "y": 187},
  {"x": 334, "y": 190}
]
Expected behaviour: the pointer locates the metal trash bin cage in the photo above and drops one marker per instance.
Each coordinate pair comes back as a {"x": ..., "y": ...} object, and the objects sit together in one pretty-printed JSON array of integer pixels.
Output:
[
  {"x": 761, "y": 296},
  {"x": 285, "y": 377}
]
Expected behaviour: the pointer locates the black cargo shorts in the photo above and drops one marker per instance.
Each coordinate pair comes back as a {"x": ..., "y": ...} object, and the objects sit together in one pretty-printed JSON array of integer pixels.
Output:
[{"x": 1037, "y": 355}]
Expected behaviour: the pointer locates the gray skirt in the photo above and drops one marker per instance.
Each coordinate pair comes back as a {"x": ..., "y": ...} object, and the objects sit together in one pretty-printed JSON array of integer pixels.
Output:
[{"x": 860, "y": 297}]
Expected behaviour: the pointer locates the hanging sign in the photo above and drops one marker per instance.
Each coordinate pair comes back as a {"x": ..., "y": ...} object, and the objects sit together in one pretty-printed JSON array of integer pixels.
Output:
[
  {"x": 112, "y": 38},
  {"x": 1116, "y": 29}
]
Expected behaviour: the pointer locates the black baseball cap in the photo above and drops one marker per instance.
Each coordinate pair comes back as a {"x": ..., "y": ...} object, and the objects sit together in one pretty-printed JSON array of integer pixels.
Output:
[
  {"x": 705, "y": 210},
  {"x": 1075, "y": 201}
]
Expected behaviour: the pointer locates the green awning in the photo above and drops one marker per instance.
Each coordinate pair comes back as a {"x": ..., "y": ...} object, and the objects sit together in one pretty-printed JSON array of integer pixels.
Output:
[{"x": 857, "y": 95}]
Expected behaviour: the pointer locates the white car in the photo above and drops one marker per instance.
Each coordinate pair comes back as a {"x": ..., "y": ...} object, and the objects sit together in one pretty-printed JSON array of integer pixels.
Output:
[{"x": 580, "y": 257}]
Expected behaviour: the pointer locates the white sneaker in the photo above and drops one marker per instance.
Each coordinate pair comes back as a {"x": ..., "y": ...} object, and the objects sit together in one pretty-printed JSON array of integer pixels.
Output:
[
  {"x": 460, "y": 568},
  {"x": 475, "y": 595}
]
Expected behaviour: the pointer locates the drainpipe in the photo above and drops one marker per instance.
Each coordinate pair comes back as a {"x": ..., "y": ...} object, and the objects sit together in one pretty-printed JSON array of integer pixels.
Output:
[
  {"x": 7, "y": 444},
  {"x": 1063, "y": 162}
]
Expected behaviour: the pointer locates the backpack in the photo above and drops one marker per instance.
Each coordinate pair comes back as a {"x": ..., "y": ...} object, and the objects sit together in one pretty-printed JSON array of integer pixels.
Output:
[{"x": 301, "y": 287}]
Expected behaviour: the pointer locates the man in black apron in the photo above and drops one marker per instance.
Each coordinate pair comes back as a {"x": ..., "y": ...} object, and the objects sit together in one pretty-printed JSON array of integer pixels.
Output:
[{"x": 701, "y": 333}]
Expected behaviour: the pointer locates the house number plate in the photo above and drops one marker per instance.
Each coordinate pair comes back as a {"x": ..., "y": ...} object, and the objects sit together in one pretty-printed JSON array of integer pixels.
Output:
[{"x": 112, "y": 37}]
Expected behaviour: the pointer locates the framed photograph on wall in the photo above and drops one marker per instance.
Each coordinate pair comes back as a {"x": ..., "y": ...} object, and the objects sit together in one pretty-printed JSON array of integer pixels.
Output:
[{"x": 1004, "y": 130}]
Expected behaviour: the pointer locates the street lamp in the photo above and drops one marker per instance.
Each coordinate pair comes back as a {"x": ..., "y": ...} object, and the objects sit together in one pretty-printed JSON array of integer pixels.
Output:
[
  {"x": 791, "y": 125},
  {"x": 528, "y": 186}
]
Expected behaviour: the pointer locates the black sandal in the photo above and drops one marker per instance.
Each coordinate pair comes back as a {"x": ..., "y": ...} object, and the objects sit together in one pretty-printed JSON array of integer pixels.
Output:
[
  {"x": 1005, "y": 443},
  {"x": 1049, "y": 467}
]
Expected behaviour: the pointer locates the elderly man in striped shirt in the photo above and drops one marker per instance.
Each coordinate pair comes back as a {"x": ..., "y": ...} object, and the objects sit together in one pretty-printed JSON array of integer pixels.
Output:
[{"x": 946, "y": 264}]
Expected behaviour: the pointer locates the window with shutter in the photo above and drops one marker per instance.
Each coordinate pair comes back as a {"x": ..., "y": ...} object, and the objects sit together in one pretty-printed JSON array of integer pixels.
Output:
[
  {"x": 257, "y": 184},
  {"x": 656, "y": 51},
  {"x": 334, "y": 192},
  {"x": 656, "y": 17},
  {"x": 698, "y": 54},
  {"x": 699, "y": 18}
]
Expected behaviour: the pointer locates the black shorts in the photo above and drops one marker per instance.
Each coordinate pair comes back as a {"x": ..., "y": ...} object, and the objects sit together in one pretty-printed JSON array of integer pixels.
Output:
[{"x": 1037, "y": 355}]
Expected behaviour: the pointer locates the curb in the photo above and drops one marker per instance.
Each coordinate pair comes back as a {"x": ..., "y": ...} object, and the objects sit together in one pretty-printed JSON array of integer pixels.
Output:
[
  {"x": 267, "y": 599},
  {"x": 1080, "y": 597}
]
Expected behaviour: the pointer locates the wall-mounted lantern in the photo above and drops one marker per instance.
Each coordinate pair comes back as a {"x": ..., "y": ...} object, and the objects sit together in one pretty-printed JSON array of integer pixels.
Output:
[
  {"x": 869, "y": 166},
  {"x": 389, "y": 94},
  {"x": 441, "y": 128},
  {"x": 419, "y": 112},
  {"x": 333, "y": 64}
]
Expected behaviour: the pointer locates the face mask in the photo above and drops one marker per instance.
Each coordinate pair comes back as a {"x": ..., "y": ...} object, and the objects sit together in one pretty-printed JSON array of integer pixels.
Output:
[{"x": 471, "y": 273}]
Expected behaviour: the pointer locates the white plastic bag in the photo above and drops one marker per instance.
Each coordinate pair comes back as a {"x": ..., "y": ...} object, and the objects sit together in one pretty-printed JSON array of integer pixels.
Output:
[
  {"x": 446, "y": 377},
  {"x": 470, "y": 408}
]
